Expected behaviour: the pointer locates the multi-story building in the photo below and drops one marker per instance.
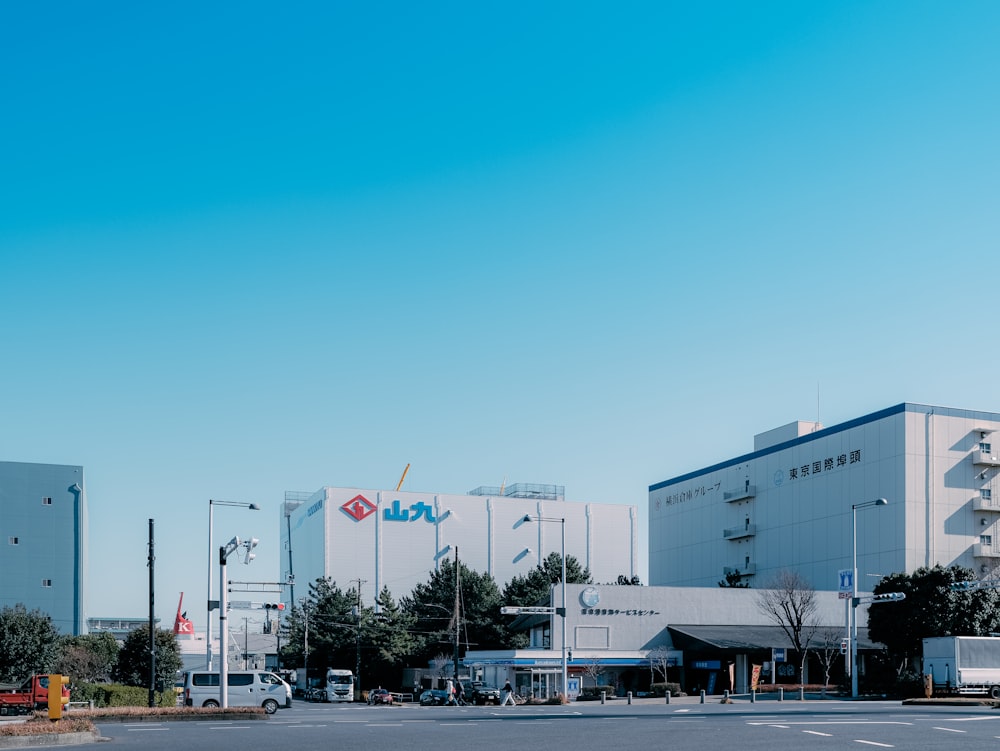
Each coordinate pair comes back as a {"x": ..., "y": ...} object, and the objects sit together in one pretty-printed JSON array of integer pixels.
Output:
[
  {"x": 43, "y": 541},
  {"x": 804, "y": 500},
  {"x": 385, "y": 538}
]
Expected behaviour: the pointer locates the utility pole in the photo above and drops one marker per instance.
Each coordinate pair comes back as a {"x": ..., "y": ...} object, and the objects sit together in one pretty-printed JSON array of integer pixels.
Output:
[
  {"x": 456, "y": 618},
  {"x": 152, "y": 623},
  {"x": 357, "y": 643},
  {"x": 305, "y": 644}
]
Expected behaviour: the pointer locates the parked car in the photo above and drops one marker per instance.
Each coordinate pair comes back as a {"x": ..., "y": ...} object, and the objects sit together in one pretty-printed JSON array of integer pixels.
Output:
[
  {"x": 433, "y": 697},
  {"x": 480, "y": 693},
  {"x": 380, "y": 696}
]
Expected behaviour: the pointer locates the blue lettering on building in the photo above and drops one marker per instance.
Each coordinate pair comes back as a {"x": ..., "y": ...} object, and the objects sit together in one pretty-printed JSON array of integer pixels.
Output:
[
  {"x": 315, "y": 507},
  {"x": 412, "y": 514}
]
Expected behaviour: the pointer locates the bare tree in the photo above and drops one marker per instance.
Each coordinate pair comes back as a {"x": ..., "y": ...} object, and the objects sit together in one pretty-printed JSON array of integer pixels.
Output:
[
  {"x": 659, "y": 661},
  {"x": 827, "y": 649},
  {"x": 790, "y": 602},
  {"x": 594, "y": 669}
]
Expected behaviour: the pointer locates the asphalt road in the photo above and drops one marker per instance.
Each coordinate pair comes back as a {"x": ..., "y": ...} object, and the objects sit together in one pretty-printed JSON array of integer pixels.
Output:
[{"x": 774, "y": 726}]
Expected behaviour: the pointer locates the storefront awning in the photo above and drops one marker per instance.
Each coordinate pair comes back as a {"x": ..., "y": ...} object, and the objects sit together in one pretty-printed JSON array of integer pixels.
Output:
[{"x": 753, "y": 638}]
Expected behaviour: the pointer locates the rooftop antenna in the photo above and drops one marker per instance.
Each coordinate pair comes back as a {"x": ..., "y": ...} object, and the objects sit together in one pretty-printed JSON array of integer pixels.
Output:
[{"x": 817, "y": 403}]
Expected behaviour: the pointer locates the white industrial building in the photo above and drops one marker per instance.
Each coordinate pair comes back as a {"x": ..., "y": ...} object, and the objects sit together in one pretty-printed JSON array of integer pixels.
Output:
[
  {"x": 387, "y": 538},
  {"x": 788, "y": 504}
]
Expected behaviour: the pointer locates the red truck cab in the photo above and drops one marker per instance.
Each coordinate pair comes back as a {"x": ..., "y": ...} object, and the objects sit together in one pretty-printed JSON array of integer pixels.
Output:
[{"x": 30, "y": 695}]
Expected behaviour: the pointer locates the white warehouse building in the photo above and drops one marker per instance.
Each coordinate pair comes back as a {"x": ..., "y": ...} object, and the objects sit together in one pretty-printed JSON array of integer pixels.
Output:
[
  {"x": 788, "y": 504},
  {"x": 394, "y": 539}
]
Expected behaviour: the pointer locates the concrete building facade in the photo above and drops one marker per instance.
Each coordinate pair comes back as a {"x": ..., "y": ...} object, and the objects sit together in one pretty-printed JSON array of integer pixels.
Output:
[
  {"x": 788, "y": 504},
  {"x": 385, "y": 538},
  {"x": 43, "y": 541},
  {"x": 616, "y": 634}
]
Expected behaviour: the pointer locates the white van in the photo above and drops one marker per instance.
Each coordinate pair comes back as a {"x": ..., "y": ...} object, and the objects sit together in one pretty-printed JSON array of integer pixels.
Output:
[{"x": 247, "y": 688}]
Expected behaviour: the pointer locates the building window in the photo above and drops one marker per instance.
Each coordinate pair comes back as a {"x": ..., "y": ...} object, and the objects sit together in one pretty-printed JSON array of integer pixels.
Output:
[
  {"x": 46, "y": 501},
  {"x": 12, "y": 540},
  {"x": 987, "y": 494},
  {"x": 46, "y": 582},
  {"x": 986, "y": 448},
  {"x": 985, "y": 539}
]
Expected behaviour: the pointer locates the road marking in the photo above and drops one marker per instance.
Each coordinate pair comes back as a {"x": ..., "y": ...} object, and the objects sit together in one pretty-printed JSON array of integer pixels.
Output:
[
  {"x": 786, "y": 723},
  {"x": 971, "y": 719},
  {"x": 949, "y": 730},
  {"x": 142, "y": 730},
  {"x": 816, "y": 732},
  {"x": 873, "y": 743},
  {"x": 233, "y": 727}
]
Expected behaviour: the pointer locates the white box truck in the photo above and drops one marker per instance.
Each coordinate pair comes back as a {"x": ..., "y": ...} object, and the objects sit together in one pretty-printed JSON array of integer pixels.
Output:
[{"x": 963, "y": 664}]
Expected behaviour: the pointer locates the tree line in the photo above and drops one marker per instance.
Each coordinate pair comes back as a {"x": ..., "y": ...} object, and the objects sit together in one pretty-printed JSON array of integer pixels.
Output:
[{"x": 455, "y": 605}]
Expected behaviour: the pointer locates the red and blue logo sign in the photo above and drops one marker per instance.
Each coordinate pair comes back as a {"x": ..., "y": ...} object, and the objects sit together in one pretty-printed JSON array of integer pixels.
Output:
[{"x": 358, "y": 508}]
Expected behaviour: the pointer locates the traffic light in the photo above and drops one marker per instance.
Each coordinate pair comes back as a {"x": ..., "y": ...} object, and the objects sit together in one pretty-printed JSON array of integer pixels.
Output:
[
  {"x": 57, "y": 699},
  {"x": 965, "y": 586},
  {"x": 279, "y": 606},
  {"x": 889, "y": 597}
]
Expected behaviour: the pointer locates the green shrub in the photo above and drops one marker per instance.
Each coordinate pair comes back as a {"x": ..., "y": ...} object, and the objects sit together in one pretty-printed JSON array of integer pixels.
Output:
[
  {"x": 594, "y": 692},
  {"x": 661, "y": 689},
  {"x": 117, "y": 695}
]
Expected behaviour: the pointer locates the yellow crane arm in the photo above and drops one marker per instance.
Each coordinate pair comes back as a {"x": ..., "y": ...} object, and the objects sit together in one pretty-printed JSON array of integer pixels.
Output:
[{"x": 402, "y": 478}]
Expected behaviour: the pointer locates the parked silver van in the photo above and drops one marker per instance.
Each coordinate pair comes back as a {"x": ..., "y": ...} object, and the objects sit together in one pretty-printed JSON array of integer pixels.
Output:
[{"x": 247, "y": 688}]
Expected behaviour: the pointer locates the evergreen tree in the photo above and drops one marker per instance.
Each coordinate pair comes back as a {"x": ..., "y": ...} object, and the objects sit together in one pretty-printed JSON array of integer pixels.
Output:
[
  {"x": 433, "y": 606},
  {"x": 91, "y": 657},
  {"x": 28, "y": 643},
  {"x": 931, "y": 608},
  {"x": 133, "y": 658},
  {"x": 387, "y": 642},
  {"x": 328, "y": 621}
]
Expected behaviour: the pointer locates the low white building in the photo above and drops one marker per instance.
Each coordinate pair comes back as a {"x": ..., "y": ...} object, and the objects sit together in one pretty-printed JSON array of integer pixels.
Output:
[
  {"x": 394, "y": 539},
  {"x": 614, "y": 634}
]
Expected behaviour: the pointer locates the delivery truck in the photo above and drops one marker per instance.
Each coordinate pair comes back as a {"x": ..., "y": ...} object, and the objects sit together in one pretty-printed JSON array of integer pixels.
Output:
[
  {"x": 963, "y": 665},
  {"x": 25, "y": 697}
]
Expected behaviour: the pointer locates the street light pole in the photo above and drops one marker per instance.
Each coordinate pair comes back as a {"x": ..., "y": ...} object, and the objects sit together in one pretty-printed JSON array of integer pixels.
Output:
[
  {"x": 853, "y": 617},
  {"x": 562, "y": 610},
  {"x": 224, "y": 552},
  {"x": 211, "y": 558}
]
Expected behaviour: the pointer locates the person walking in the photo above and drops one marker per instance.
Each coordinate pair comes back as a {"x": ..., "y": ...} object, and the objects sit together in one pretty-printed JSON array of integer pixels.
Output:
[{"x": 508, "y": 695}]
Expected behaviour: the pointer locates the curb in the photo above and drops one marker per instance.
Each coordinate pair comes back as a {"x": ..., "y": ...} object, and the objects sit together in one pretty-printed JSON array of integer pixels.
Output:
[{"x": 49, "y": 739}]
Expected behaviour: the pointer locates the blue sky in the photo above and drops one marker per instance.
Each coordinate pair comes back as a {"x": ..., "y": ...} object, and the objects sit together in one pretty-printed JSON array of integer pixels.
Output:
[{"x": 247, "y": 249}]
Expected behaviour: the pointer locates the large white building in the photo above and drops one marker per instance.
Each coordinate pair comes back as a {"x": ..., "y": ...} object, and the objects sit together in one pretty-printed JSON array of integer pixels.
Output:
[
  {"x": 388, "y": 538},
  {"x": 788, "y": 504}
]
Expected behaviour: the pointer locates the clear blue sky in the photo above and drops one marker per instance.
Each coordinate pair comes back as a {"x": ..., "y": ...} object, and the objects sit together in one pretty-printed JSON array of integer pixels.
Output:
[{"x": 247, "y": 248}]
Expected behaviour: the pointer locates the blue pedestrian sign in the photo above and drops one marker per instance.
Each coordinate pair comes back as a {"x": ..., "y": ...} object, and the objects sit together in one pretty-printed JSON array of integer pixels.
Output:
[{"x": 846, "y": 583}]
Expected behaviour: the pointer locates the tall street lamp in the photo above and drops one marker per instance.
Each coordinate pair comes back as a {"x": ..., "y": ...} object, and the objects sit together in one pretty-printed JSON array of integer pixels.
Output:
[
  {"x": 212, "y": 604},
  {"x": 224, "y": 552},
  {"x": 561, "y": 611},
  {"x": 853, "y": 613}
]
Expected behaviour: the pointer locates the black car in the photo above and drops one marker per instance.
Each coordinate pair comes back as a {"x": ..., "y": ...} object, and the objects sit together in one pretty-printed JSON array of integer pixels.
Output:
[
  {"x": 433, "y": 698},
  {"x": 479, "y": 693}
]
